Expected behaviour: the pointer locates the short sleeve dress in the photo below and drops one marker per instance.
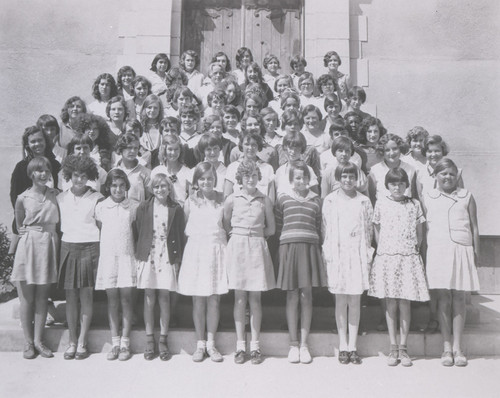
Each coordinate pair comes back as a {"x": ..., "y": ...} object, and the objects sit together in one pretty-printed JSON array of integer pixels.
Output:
[
  {"x": 117, "y": 266},
  {"x": 397, "y": 271},
  {"x": 203, "y": 270},
  {"x": 37, "y": 253}
]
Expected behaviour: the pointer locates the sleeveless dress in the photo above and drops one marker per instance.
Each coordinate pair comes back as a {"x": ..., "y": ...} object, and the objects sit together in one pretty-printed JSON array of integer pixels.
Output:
[
  {"x": 347, "y": 224},
  {"x": 248, "y": 261},
  {"x": 36, "y": 259},
  {"x": 203, "y": 270},
  {"x": 397, "y": 271},
  {"x": 450, "y": 251},
  {"x": 117, "y": 266}
]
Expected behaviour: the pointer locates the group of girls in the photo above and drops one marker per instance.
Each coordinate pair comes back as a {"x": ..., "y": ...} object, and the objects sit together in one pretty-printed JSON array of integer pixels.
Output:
[{"x": 159, "y": 198}]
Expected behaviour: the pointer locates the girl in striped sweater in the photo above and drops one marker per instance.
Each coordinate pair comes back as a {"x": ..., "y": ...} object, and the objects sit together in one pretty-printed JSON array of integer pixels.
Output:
[{"x": 298, "y": 219}]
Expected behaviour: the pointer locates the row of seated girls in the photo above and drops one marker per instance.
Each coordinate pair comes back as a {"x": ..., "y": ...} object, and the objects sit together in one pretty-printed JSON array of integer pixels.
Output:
[{"x": 177, "y": 182}]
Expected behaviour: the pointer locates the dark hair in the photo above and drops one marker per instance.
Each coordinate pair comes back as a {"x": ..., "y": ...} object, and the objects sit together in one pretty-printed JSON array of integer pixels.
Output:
[
  {"x": 200, "y": 169},
  {"x": 323, "y": 79},
  {"x": 290, "y": 116},
  {"x": 293, "y": 140},
  {"x": 365, "y": 124},
  {"x": 254, "y": 97},
  {"x": 121, "y": 72},
  {"x": 190, "y": 109},
  {"x": 338, "y": 124},
  {"x": 208, "y": 140},
  {"x": 246, "y": 168},
  {"x": 357, "y": 91},
  {"x": 342, "y": 143},
  {"x": 311, "y": 108},
  {"x": 46, "y": 121},
  {"x": 348, "y": 168},
  {"x": 170, "y": 121},
  {"x": 67, "y": 104},
  {"x": 269, "y": 58},
  {"x": 299, "y": 165},
  {"x": 305, "y": 76},
  {"x": 79, "y": 164},
  {"x": 157, "y": 58},
  {"x": 435, "y": 140},
  {"x": 174, "y": 74},
  {"x": 231, "y": 109},
  {"x": 37, "y": 164},
  {"x": 151, "y": 99},
  {"x": 224, "y": 84},
  {"x": 396, "y": 174},
  {"x": 29, "y": 131},
  {"x": 190, "y": 53},
  {"x": 116, "y": 174},
  {"x": 296, "y": 59},
  {"x": 217, "y": 93},
  {"x": 256, "y": 67},
  {"x": 246, "y": 136},
  {"x": 185, "y": 92},
  {"x": 415, "y": 132},
  {"x": 222, "y": 54},
  {"x": 141, "y": 79},
  {"x": 89, "y": 121},
  {"x": 121, "y": 100},
  {"x": 124, "y": 141},
  {"x": 443, "y": 164},
  {"x": 110, "y": 79},
  {"x": 332, "y": 99},
  {"x": 79, "y": 139},
  {"x": 329, "y": 55},
  {"x": 243, "y": 124},
  {"x": 289, "y": 94},
  {"x": 239, "y": 55},
  {"x": 209, "y": 120},
  {"x": 135, "y": 124},
  {"x": 380, "y": 147}
]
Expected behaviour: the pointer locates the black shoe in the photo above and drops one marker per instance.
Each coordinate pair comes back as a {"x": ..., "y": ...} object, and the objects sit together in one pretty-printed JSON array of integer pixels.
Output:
[
  {"x": 82, "y": 354},
  {"x": 256, "y": 357},
  {"x": 355, "y": 358},
  {"x": 239, "y": 357},
  {"x": 344, "y": 357}
]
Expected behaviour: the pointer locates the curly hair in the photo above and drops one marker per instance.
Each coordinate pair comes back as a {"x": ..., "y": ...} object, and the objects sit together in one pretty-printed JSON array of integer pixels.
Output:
[
  {"x": 436, "y": 140},
  {"x": 415, "y": 132},
  {"x": 121, "y": 73},
  {"x": 170, "y": 121},
  {"x": 329, "y": 55},
  {"x": 141, "y": 79},
  {"x": 28, "y": 132},
  {"x": 270, "y": 58},
  {"x": 121, "y": 100},
  {"x": 289, "y": 94},
  {"x": 255, "y": 66},
  {"x": 185, "y": 92},
  {"x": 80, "y": 164},
  {"x": 291, "y": 116},
  {"x": 190, "y": 109},
  {"x": 157, "y": 58},
  {"x": 245, "y": 169},
  {"x": 90, "y": 121},
  {"x": 239, "y": 55},
  {"x": 67, "y": 104},
  {"x": 323, "y": 79},
  {"x": 365, "y": 125},
  {"x": 288, "y": 78},
  {"x": 225, "y": 83},
  {"x": 110, "y": 79},
  {"x": 176, "y": 75},
  {"x": 191, "y": 53},
  {"x": 124, "y": 141},
  {"x": 222, "y": 54},
  {"x": 218, "y": 94},
  {"x": 209, "y": 120},
  {"x": 382, "y": 142}
]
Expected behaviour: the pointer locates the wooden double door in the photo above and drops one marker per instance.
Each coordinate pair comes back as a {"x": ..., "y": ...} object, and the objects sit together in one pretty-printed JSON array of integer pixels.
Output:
[{"x": 264, "y": 26}]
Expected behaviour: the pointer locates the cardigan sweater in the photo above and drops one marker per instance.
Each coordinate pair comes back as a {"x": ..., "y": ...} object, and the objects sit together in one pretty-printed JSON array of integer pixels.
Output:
[{"x": 143, "y": 231}]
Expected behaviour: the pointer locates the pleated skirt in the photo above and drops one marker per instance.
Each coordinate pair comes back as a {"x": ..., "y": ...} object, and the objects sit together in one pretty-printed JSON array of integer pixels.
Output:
[{"x": 78, "y": 265}]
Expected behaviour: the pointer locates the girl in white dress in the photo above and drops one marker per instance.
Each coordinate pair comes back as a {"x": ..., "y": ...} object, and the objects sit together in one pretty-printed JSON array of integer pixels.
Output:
[
  {"x": 203, "y": 273},
  {"x": 347, "y": 232},
  {"x": 116, "y": 272}
]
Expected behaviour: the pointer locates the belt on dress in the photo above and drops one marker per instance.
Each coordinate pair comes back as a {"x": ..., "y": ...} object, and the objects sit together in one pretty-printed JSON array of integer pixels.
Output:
[{"x": 247, "y": 232}]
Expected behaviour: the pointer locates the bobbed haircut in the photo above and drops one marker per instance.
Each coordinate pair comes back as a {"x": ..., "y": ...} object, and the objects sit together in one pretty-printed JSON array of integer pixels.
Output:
[
  {"x": 246, "y": 168},
  {"x": 396, "y": 175},
  {"x": 299, "y": 165},
  {"x": 289, "y": 94},
  {"x": 143, "y": 80},
  {"x": 190, "y": 53},
  {"x": 113, "y": 175},
  {"x": 288, "y": 78},
  {"x": 157, "y": 178},
  {"x": 121, "y": 73},
  {"x": 212, "y": 68},
  {"x": 208, "y": 140},
  {"x": 291, "y": 116},
  {"x": 332, "y": 99},
  {"x": 46, "y": 121},
  {"x": 28, "y": 132},
  {"x": 382, "y": 142},
  {"x": 134, "y": 125},
  {"x": 323, "y": 79},
  {"x": 232, "y": 110},
  {"x": 121, "y": 100},
  {"x": 38, "y": 164},
  {"x": 348, "y": 168},
  {"x": 445, "y": 163},
  {"x": 218, "y": 94},
  {"x": 270, "y": 111},
  {"x": 175, "y": 74},
  {"x": 338, "y": 124},
  {"x": 239, "y": 55},
  {"x": 124, "y": 141},
  {"x": 190, "y": 110},
  {"x": 329, "y": 55},
  {"x": 185, "y": 92},
  {"x": 295, "y": 140},
  {"x": 247, "y": 136},
  {"x": 262, "y": 128},
  {"x": 167, "y": 140},
  {"x": 311, "y": 108},
  {"x": 157, "y": 58},
  {"x": 254, "y": 97},
  {"x": 209, "y": 120},
  {"x": 202, "y": 168},
  {"x": 79, "y": 139},
  {"x": 436, "y": 140},
  {"x": 67, "y": 104},
  {"x": 269, "y": 58},
  {"x": 358, "y": 92},
  {"x": 305, "y": 76},
  {"x": 222, "y": 54},
  {"x": 416, "y": 132},
  {"x": 296, "y": 59},
  {"x": 79, "y": 164},
  {"x": 366, "y": 124},
  {"x": 342, "y": 143},
  {"x": 255, "y": 66},
  {"x": 110, "y": 79},
  {"x": 170, "y": 121}
]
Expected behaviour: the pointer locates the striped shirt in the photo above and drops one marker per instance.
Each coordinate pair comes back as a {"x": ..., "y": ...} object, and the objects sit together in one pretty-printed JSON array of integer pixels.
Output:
[{"x": 298, "y": 220}]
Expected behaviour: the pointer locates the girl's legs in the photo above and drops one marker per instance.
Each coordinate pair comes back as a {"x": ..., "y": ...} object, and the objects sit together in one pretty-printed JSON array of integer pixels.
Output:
[
  {"x": 240, "y": 303},
  {"x": 26, "y": 295},
  {"x": 72, "y": 314},
  {"x": 306, "y": 308},
  {"x": 341, "y": 319},
  {"x": 149, "y": 322},
  {"x": 391, "y": 311},
  {"x": 354, "y": 305},
  {"x": 86, "y": 303},
  {"x": 458, "y": 318},
  {"x": 292, "y": 315},
  {"x": 199, "y": 316},
  {"x": 404, "y": 329},
  {"x": 127, "y": 303},
  {"x": 255, "y": 318},
  {"x": 164, "y": 301},
  {"x": 444, "y": 312},
  {"x": 213, "y": 314},
  {"x": 41, "y": 307},
  {"x": 114, "y": 313}
]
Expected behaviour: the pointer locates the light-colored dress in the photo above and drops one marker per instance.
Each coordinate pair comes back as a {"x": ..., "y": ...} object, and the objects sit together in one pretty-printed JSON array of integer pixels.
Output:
[
  {"x": 347, "y": 251},
  {"x": 138, "y": 177},
  {"x": 248, "y": 261},
  {"x": 117, "y": 266},
  {"x": 450, "y": 251},
  {"x": 157, "y": 272},
  {"x": 266, "y": 171},
  {"x": 181, "y": 180},
  {"x": 37, "y": 253},
  {"x": 397, "y": 271},
  {"x": 203, "y": 270}
]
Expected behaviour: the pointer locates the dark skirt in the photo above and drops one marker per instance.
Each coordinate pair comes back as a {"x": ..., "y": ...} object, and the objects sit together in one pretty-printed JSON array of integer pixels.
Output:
[
  {"x": 300, "y": 266},
  {"x": 78, "y": 265}
]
